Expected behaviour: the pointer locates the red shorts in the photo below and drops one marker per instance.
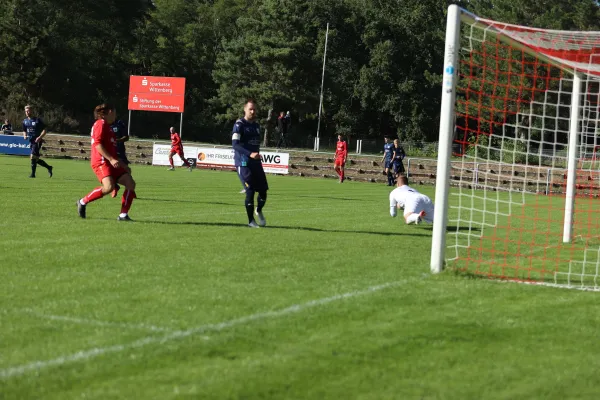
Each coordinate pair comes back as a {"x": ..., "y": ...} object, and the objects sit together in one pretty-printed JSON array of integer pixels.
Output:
[
  {"x": 177, "y": 150},
  {"x": 104, "y": 170},
  {"x": 339, "y": 162}
]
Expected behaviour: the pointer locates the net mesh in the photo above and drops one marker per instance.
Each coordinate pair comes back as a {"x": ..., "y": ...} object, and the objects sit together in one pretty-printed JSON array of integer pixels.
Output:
[{"x": 511, "y": 141}]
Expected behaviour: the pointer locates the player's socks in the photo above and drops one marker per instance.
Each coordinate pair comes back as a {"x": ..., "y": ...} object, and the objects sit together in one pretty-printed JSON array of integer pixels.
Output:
[
  {"x": 413, "y": 218},
  {"x": 33, "y": 167},
  {"x": 126, "y": 200},
  {"x": 43, "y": 163},
  {"x": 250, "y": 211},
  {"x": 171, "y": 162},
  {"x": 92, "y": 196},
  {"x": 342, "y": 176}
]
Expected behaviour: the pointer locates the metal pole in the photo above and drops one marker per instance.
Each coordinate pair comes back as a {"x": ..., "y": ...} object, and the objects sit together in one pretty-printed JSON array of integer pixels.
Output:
[
  {"x": 129, "y": 123},
  {"x": 572, "y": 160},
  {"x": 180, "y": 125},
  {"x": 442, "y": 187},
  {"x": 322, "y": 83}
]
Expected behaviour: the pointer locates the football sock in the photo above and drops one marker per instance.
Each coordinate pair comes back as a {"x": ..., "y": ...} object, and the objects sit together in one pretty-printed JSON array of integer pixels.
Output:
[
  {"x": 43, "y": 163},
  {"x": 342, "y": 174},
  {"x": 92, "y": 196},
  {"x": 249, "y": 202},
  {"x": 33, "y": 166},
  {"x": 171, "y": 162},
  {"x": 262, "y": 199},
  {"x": 126, "y": 200},
  {"x": 412, "y": 218}
]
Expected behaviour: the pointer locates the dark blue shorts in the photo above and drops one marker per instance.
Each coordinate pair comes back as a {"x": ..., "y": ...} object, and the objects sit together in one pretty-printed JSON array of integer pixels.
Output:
[
  {"x": 253, "y": 176},
  {"x": 35, "y": 147},
  {"x": 387, "y": 164},
  {"x": 398, "y": 167}
]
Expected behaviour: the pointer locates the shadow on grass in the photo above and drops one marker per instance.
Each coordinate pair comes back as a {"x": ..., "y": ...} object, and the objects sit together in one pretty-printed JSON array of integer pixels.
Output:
[
  {"x": 188, "y": 201},
  {"x": 455, "y": 228},
  {"x": 295, "y": 228},
  {"x": 331, "y": 198}
]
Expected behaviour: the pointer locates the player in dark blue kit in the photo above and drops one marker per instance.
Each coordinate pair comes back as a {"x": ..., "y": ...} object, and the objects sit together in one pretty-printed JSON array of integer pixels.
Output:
[
  {"x": 121, "y": 136},
  {"x": 34, "y": 130},
  {"x": 246, "y": 145},
  {"x": 388, "y": 149},
  {"x": 398, "y": 155}
]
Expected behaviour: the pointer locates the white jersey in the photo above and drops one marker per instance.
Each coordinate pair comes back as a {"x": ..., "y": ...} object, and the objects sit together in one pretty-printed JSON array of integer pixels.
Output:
[{"x": 411, "y": 201}]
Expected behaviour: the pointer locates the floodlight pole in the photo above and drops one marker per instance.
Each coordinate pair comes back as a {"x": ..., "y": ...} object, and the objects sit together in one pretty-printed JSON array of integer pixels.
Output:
[
  {"x": 180, "y": 125},
  {"x": 129, "y": 123},
  {"x": 322, "y": 83}
]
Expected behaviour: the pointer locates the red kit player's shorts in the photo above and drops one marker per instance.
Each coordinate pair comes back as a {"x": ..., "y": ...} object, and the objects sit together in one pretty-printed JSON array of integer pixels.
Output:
[
  {"x": 339, "y": 162},
  {"x": 177, "y": 150},
  {"x": 102, "y": 171}
]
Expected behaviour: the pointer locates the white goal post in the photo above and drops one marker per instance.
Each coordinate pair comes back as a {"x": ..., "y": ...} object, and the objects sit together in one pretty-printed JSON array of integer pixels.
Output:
[{"x": 520, "y": 108}]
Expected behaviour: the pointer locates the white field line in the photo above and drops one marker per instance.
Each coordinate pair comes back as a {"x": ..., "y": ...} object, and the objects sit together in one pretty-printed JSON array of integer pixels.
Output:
[
  {"x": 84, "y": 355},
  {"x": 95, "y": 322}
]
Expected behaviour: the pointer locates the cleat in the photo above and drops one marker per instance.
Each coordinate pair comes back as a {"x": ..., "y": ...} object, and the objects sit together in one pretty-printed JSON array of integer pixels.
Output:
[
  {"x": 115, "y": 191},
  {"x": 191, "y": 168},
  {"x": 171, "y": 169},
  {"x": 243, "y": 191},
  {"x": 420, "y": 218},
  {"x": 50, "y": 171},
  {"x": 253, "y": 224},
  {"x": 261, "y": 218},
  {"x": 125, "y": 218},
  {"x": 32, "y": 176},
  {"x": 80, "y": 209}
]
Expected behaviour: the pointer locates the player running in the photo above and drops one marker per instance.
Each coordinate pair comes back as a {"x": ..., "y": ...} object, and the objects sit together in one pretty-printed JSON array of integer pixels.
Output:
[
  {"x": 177, "y": 148},
  {"x": 341, "y": 154},
  {"x": 417, "y": 207},
  {"x": 34, "y": 130},
  {"x": 246, "y": 145},
  {"x": 387, "y": 160},
  {"x": 106, "y": 164},
  {"x": 398, "y": 155}
]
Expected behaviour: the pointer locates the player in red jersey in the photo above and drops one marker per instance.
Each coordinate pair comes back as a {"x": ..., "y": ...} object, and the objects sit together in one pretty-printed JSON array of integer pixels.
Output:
[
  {"x": 106, "y": 164},
  {"x": 177, "y": 148},
  {"x": 341, "y": 153}
]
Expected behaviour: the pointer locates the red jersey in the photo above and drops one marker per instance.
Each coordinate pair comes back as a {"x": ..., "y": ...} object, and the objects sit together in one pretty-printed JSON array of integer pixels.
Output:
[
  {"x": 102, "y": 134},
  {"x": 341, "y": 151},
  {"x": 175, "y": 139}
]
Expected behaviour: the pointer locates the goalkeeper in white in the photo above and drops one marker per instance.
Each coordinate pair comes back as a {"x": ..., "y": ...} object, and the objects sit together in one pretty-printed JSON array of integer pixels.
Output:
[{"x": 417, "y": 207}]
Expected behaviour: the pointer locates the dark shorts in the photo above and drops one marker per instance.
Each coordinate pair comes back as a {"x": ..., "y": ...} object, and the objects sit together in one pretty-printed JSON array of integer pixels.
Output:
[
  {"x": 253, "y": 176},
  {"x": 398, "y": 167},
  {"x": 35, "y": 148},
  {"x": 387, "y": 164},
  {"x": 123, "y": 157}
]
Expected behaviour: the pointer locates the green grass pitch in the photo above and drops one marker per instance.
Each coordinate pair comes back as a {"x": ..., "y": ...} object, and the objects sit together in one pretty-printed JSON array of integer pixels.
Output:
[{"x": 333, "y": 300}]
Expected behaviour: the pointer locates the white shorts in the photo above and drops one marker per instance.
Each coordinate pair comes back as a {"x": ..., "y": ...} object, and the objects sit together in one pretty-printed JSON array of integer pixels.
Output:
[{"x": 418, "y": 204}]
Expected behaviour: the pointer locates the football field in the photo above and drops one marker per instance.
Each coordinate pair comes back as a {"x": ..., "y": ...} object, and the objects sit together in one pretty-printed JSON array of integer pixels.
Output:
[{"x": 332, "y": 300}]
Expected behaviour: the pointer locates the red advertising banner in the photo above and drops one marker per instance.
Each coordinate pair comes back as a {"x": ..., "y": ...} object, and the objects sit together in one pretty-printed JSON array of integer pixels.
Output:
[{"x": 156, "y": 93}]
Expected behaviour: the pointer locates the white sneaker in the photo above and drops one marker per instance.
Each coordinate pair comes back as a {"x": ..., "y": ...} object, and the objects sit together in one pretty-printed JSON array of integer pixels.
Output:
[
  {"x": 261, "y": 218},
  {"x": 253, "y": 224},
  {"x": 243, "y": 191},
  {"x": 191, "y": 168},
  {"x": 171, "y": 169}
]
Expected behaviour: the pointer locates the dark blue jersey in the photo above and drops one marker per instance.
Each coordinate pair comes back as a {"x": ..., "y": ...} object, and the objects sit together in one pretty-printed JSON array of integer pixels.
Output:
[
  {"x": 33, "y": 127},
  {"x": 388, "y": 149},
  {"x": 245, "y": 140},
  {"x": 120, "y": 130},
  {"x": 398, "y": 154}
]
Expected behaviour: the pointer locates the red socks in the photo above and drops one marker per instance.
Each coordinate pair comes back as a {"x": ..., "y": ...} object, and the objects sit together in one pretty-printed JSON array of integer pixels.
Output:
[
  {"x": 126, "y": 200},
  {"x": 93, "y": 195}
]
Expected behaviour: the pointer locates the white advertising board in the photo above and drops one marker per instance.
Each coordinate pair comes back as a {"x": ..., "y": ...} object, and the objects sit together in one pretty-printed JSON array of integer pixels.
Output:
[{"x": 206, "y": 157}]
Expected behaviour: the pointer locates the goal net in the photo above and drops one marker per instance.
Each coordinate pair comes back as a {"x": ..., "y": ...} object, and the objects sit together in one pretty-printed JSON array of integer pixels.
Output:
[{"x": 518, "y": 178}]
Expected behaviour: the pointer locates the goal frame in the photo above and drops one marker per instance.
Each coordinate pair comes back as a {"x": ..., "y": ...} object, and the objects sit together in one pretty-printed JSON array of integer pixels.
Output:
[{"x": 447, "y": 127}]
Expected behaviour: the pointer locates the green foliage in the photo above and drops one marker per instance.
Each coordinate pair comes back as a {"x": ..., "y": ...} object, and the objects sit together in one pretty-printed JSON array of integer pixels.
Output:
[{"x": 383, "y": 74}]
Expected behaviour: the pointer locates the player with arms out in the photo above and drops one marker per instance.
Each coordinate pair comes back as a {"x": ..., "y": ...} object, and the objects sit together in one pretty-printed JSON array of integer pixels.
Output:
[
  {"x": 121, "y": 136},
  {"x": 177, "y": 148},
  {"x": 245, "y": 140},
  {"x": 341, "y": 154},
  {"x": 387, "y": 160},
  {"x": 34, "y": 130},
  {"x": 106, "y": 164},
  {"x": 417, "y": 207}
]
